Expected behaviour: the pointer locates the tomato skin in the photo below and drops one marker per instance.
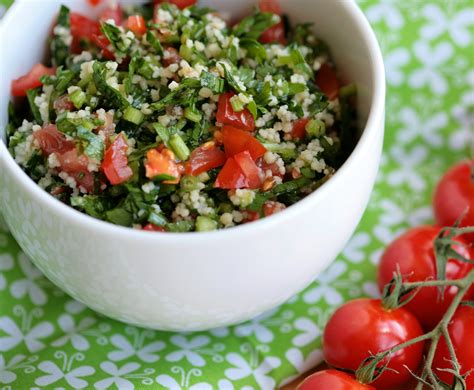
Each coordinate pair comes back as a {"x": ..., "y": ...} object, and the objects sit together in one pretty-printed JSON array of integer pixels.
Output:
[
  {"x": 162, "y": 162},
  {"x": 271, "y": 207},
  {"x": 76, "y": 166},
  {"x": 172, "y": 57},
  {"x": 102, "y": 42},
  {"x": 299, "y": 128},
  {"x": 31, "y": 80},
  {"x": 231, "y": 176},
  {"x": 51, "y": 140},
  {"x": 115, "y": 163},
  {"x": 83, "y": 27},
  {"x": 413, "y": 252},
  {"x": 363, "y": 326},
  {"x": 272, "y": 6},
  {"x": 249, "y": 168},
  {"x": 275, "y": 34},
  {"x": 226, "y": 115},
  {"x": 94, "y": 2},
  {"x": 273, "y": 167},
  {"x": 63, "y": 103},
  {"x": 332, "y": 380},
  {"x": 115, "y": 13},
  {"x": 461, "y": 332},
  {"x": 181, "y": 4},
  {"x": 236, "y": 141},
  {"x": 204, "y": 158},
  {"x": 454, "y": 195},
  {"x": 137, "y": 24},
  {"x": 326, "y": 80},
  {"x": 153, "y": 228}
]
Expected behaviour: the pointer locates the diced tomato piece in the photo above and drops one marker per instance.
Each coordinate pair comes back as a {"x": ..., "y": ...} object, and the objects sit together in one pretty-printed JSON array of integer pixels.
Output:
[
  {"x": 63, "y": 103},
  {"x": 153, "y": 228},
  {"x": 275, "y": 34},
  {"x": 179, "y": 3},
  {"x": 226, "y": 114},
  {"x": 273, "y": 167},
  {"x": 103, "y": 43},
  {"x": 115, "y": 164},
  {"x": 299, "y": 128},
  {"x": 75, "y": 165},
  {"x": 204, "y": 158},
  {"x": 83, "y": 27},
  {"x": 162, "y": 163},
  {"x": 249, "y": 168},
  {"x": 94, "y": 2},
  {"x": 115, "y": 13},
  {"x": 270, "y": 207},
  {"x": 52, "y": 140},
  {"x": 231, "y": 176},
  {"x": 137, "y": 24},
  {"x": 272, "y": 6},
  {"x": 326, "y": 80},
  {"x": 31, "y": 80},
  {"x": 171, "y": 56},
  {"x": 236, "y": 141},
  {"x": 251, "y": 216}
]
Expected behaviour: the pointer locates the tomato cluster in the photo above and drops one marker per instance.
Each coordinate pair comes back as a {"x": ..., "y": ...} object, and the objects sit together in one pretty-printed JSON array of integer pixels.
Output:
[{"x": 365, "y": 327}]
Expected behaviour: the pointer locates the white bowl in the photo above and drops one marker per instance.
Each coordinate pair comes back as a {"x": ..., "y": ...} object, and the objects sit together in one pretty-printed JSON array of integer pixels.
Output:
[{"x": 195, "y": 281}]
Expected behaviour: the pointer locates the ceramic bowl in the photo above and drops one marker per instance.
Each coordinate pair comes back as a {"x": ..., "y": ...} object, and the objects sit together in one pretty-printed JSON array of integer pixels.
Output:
[{"x": 195, "y": 281}]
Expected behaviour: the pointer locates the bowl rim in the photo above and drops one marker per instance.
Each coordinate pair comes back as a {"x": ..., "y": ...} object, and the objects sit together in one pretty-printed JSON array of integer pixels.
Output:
[{"x": 375, "y": 115}]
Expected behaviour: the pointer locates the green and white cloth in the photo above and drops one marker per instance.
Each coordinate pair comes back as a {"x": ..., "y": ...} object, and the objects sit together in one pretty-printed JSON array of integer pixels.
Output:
[{"x": 47, "y": 340}]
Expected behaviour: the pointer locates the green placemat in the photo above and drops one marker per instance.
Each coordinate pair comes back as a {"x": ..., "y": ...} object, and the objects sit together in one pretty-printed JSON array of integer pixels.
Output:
[{"x": 47, "y": 340}]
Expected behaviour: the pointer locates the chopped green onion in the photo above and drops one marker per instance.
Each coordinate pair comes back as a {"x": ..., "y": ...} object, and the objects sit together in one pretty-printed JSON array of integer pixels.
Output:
[
  {"x": 157, "y": 219},
  {"x": 348, "y": 90},
  {"x": 186, "y": 53},
  {"x": 205, "y": 224},
  {"x": 192, "y": 115},
  {"x": 315, "y": 128},
  {"x": 189, "y": 183},
  {"x": 78, "y": 98},
  {"x": 295, "y": 88},
  {"x": 284, "y": 150},
  {"x": 179, "y": 147},
  {"x": 236, "y": 103},
  {"x": 180, "y": 226},
  {"x": 133, "y": 115}
]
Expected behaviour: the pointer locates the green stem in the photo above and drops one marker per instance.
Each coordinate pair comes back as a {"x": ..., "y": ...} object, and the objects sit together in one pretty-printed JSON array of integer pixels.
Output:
[{"x": 433, "y": 283}]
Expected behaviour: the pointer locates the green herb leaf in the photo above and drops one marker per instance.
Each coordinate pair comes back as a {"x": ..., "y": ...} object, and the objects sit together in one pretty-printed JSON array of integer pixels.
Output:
[
  {"x": 59, "y": 48},
  {"x": 112, "y": 95},
  {"x": 94, "y": 145},
  {"x": 31, "y": 94},
  {"x": 213, "y": 82},
  {"x": 253, "y": 26}
]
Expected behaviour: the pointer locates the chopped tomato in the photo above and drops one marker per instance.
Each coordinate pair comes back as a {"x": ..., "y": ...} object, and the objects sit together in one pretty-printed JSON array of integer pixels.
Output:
[
  {"x": 31, "y": 80},
  {"x": 275, "y": 34},
  {"x": 103, "y": 43},
  {"x": 52, "y": 140},
  {"x": 162, "y": 163},
  {"x": 115, "y": 13},
  {"x": 231, "y": 176},
  {"x": 83, "y": 27},
  {"x": 326, "y": 80},
  {"x": 153, "y": 228},
  {"x": 115, "y": 164},
  {"x": 94, "y": 2},
  {"x": 270, "y": 207},
  {"x": 273, "y": 167},
  {"x": 249, "y": 168},
  {"x": 272, "y": 6},
  {"x": 204, "y": 158},
  {"x": 171, "y": 57},
  {"x": 236, "y": 141},
  {"x": 179, "y": 3},
  {"x": 299, "y": 128},
  {"x": 75, "y": 165},
  {"x": 226, "y": 114},
  {"x": 137, "y": 24},
  {"x": 63, "y": 103},
  {"x": 252, "y": 216}
]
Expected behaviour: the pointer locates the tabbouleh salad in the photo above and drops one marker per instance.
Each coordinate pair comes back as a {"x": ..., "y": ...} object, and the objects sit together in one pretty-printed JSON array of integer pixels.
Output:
[{"x": 165, "y": 117}]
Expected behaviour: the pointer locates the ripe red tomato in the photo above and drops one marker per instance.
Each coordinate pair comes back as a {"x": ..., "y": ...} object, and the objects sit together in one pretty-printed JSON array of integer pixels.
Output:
[
  {"x": 271, "y": 207},
  {"x": 226, "y": 114},
  {"x": 103, "y": 43},
  {"x": 273, "y": 167},
  {"x": 83, "y": 27},
  {"x": 31, "y": 80},
  {"x": 363, "y": 326},
  {"x": 326, "y": 80},
  {"x": 332, "y": 380},
  {"x": 94, "y": 2},
  {"x": 51, "y": 140},
  {"x": 299, "y": 128},
  {"x": 137, "y": 24},
  {"x": 272, "y": 6},
  {"x": 171, "y": 57},
  {"x": 76, "y": 166},
  {"x": 115, "y": 13},
  {"x": 231, "y": 176},
  {"x": 236, "y": 141},
  {"x": 162, "y": 162},
  {"x": 413, "y": 252},
  {"x": 461, "y": 332},
  {"x": 115, "y": 164},
  {"x": 454, "y": 195},
  {"x": 275, "y": 34},
  {"x": 179, "y": 3},
  {"x": 63, "y": 103},
  {"x": 249, "y": 168},
  {"x": 204, "y": 158},
  {"x": 153, "y": 228}
]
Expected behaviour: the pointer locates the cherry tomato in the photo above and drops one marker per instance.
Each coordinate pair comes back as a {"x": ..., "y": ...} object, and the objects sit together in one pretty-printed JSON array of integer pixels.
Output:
[
  {"x": 272, "y": 6},
  {"x": 413, "y": 253},
  {"x": 137, "y": 24},
  {"x": 461, "y": 332},
  {"x": 115, "y": 164},
  {"x": 231, "y": 176},
  {"x": 363, "y": 326},
  {"x": 162, "y": 163},
  {"x": 326, "y": 80},
  {"x": 103, "y": 43},
  {"x": 332, "y": 380},
  {"x": 115, "y": 13},
  {"x": 454, "y": 195},
  {"x": 299, "y": 128},
  {"x": 153, "y": 228},
  {"x": 31, "y": 80},
  {"x": 270, "y": 207},
  {"x": 249, "y": 168},
  {"x": 225, "y": 114},
  {"x": 204, "y": 158},
  {"x": 83, "y": 27},
  {"x": 236, "y": 141},
  {"x": 51, "y": 140},
  {"x": 76, "y": 166},
  {"x": 275, "y": 34},
  {"x": 179, "y": 3}
]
